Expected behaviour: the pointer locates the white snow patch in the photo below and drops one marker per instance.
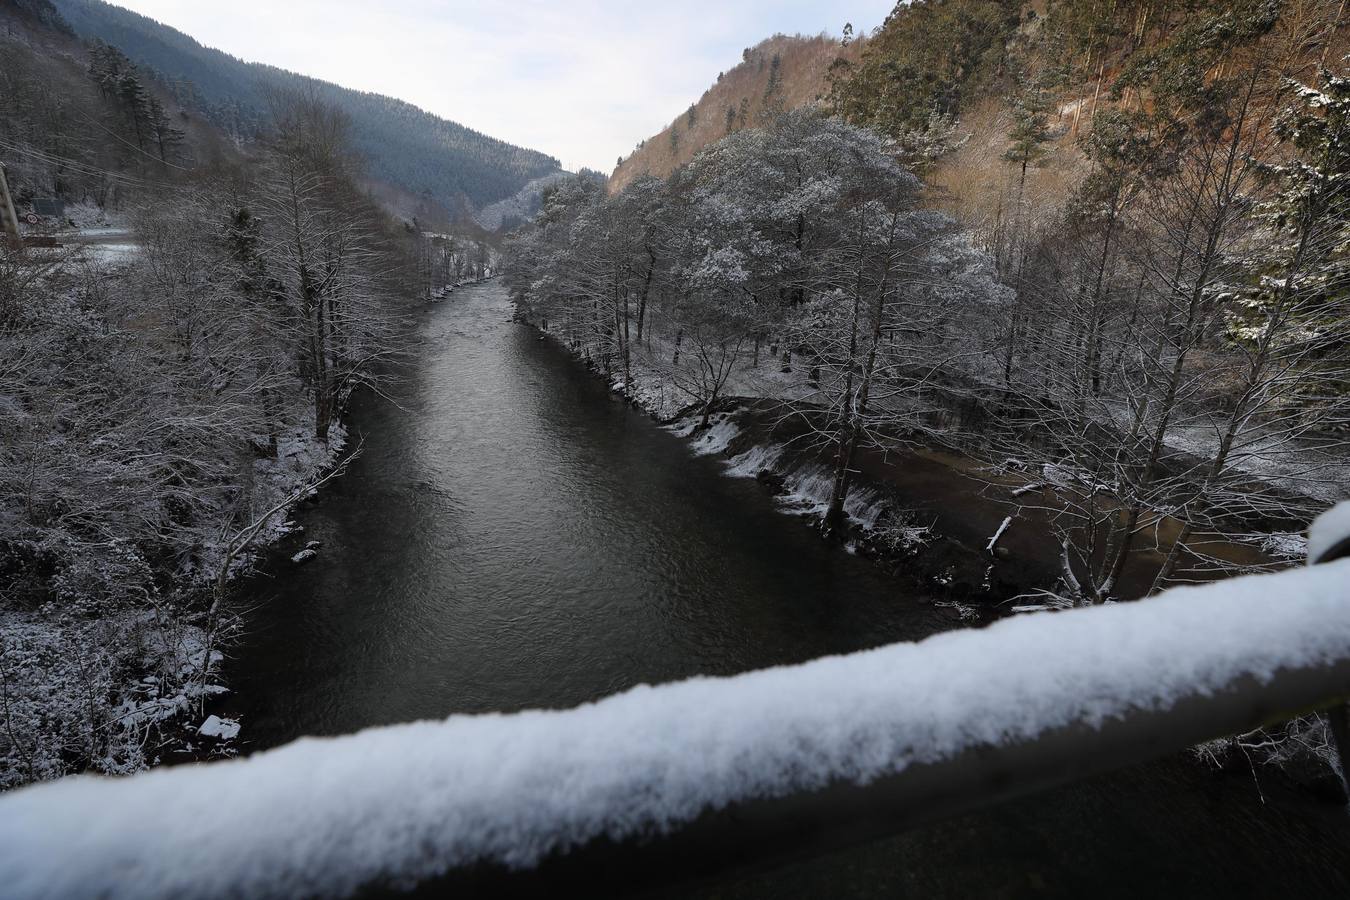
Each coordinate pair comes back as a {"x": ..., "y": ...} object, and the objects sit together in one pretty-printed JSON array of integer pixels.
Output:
[
  {"x": 1284, "y": 544},
  {"x": 1331, "y": 527},
  {"x": 410, "y": 801},
  {"x": 682, "y": 428},
  {"x": 993, "y": 541},
  {"x": 216, "y": 727}
]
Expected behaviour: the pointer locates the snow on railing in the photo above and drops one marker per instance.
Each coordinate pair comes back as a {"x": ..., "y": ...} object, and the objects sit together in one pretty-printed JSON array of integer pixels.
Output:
[{"x": 838, "y": 749}]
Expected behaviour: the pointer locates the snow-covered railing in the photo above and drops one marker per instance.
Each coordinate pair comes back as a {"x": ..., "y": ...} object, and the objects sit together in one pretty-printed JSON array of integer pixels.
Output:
[{"x": 706, "y": 775}]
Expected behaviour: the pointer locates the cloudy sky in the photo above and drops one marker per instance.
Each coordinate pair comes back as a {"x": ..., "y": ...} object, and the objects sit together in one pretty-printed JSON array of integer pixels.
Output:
[{"x": 583, "y": 80}]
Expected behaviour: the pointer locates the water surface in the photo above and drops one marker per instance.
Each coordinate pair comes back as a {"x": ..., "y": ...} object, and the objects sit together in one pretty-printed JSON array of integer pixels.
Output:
[{"x": 513, "y": 536}]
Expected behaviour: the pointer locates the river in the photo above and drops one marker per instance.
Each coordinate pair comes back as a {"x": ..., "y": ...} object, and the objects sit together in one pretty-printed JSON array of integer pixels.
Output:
[{"x": 514, "y": 536}]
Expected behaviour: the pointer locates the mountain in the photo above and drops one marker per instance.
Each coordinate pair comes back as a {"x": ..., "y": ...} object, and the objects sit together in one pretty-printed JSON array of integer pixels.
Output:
[
  {"x": 783, "y": 72},
  {"x": 36, "y": 14},
  {"x": 417, "y": 152},
  {"x": 505, "y": 215},
  {"x": 995, "y": 100}
]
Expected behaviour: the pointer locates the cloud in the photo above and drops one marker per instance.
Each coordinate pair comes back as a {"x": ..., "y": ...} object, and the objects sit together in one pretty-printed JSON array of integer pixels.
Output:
[{"x": 583, "y": 81}]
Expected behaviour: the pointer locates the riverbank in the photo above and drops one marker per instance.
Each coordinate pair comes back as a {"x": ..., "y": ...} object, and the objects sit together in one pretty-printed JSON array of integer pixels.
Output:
[
  {"x": 153, "y": 666},
  {"x": 286, "y": 476},
  {"x": 948, "y": 526},
  {"x": 515, "y": 536},
  {"x": 985, "y": 530},
  {"x": 927, "y": 517}
]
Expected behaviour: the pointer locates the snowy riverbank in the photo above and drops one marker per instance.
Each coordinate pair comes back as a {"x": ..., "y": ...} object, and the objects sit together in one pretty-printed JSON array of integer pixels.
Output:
[
  {"x": 151, "y": 664},
  {"x": 964, "y": 531},
  {"x": 751, "y": 438}
]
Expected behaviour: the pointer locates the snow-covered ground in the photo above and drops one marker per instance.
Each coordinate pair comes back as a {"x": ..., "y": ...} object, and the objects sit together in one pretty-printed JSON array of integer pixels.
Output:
[
  {"x": 145, "y": 669},
  {"x": 401, "y": 803},
  {"x": 103, "y": 236},
  {"x": 147, "y": 666},
  {"x": 1263, "y": 453},
  {"x": 107, "y": 244}
]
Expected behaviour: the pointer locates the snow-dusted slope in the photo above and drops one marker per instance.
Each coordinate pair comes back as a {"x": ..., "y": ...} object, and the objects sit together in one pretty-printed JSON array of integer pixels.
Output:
[{"x": 519, "y": 207}]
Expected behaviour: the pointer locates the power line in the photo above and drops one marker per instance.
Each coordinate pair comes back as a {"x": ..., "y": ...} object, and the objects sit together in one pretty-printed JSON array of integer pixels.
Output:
[
  {"x": 83, "y": 168},
  {"x": 117, "y": 136}
]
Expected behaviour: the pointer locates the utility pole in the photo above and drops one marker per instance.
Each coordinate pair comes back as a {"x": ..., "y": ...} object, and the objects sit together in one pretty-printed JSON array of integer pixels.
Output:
[{"x": 7, "y": 213}]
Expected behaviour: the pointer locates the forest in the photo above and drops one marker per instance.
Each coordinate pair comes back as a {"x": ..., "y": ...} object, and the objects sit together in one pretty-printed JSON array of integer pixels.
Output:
[
  {"x": 1140, "y": 335},
  {"x": 1168, "y": 339},
  {"x": 415, "y": 151},
  {"x": 165, "y": 400}
]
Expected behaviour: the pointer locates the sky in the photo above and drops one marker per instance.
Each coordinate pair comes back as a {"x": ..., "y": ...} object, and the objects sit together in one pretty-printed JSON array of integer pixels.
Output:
[{"x": 581, "y": 80}]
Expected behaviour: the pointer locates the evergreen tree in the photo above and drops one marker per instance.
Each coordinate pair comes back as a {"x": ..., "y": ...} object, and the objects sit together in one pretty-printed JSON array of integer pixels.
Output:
[
  {"x": 163, "y": 135},
  {"x": 775, "y": 82},
  {"x": 1029, "y": 133},
  {"x": 927, "y": 57},
  {"x": 1301, "y": 277}
]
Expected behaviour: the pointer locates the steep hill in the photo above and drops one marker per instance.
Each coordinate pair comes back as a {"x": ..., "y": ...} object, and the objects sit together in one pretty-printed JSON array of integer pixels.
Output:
[
  {"x": 785, "y": 71},
  {"x": 67, "y": 135},
  {"x": 410, "y": 148},
  {"x": 976, "y": 85}
]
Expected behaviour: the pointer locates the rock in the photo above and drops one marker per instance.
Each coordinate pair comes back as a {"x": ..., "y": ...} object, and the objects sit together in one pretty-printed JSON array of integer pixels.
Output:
[
  {"x": 304, "y": 556},
  {"x": 221, "y": 729}
]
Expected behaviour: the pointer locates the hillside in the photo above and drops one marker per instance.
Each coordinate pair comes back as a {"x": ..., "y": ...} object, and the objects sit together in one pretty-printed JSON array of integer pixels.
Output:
[
  {"x": 410, "y": 148},
  {"x": 990, "y": 67},
  {"x": 740, "y": 98},
  {"x": 184, "y": 318},
  {"x": 1058, "y": 69},
  {"x": 1142, "y": 280},
  {"x": 105, "y": 140}
]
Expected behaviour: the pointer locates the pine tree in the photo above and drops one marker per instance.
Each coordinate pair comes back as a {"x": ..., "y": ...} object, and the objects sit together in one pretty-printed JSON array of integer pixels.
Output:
[
  {"x": 166, "y": 138},
  {"x": 1303, "y": 273},
  {"x": 135, "y": 101},
  {"x": 775, "y": 78},
  {"x": 1029, "y": 134}
]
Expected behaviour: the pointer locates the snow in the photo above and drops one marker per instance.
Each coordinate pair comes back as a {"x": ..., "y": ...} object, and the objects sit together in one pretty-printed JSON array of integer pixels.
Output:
[
  {"x": 325, "y": 816},
  {"x": 1283, "y": 544},
  {"x": 216, "y": 727},
  {"x": 149, "y": 669},
  {"x": 1332, "y": 527},
  {"x": 993, "y": 541},
  {"x": 300, "y": 458}
]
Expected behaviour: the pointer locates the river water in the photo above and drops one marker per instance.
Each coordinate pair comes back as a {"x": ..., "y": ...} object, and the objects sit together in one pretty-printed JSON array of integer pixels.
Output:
[{"x": 513, "y": 536}]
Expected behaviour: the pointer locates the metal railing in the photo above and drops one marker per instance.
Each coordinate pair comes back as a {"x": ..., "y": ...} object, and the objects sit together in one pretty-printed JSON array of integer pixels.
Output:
[{"x": 97, "y": 837}]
